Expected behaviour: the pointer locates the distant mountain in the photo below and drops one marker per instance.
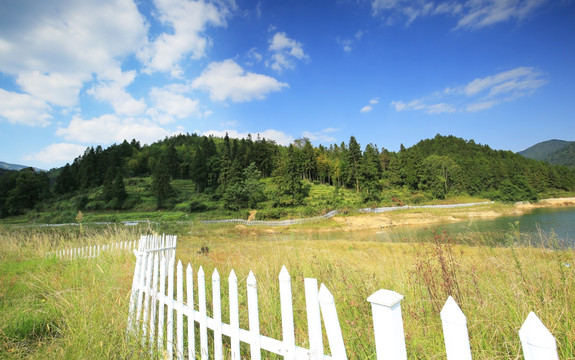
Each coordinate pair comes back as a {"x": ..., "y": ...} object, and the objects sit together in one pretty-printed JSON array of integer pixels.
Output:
[
  {"x": 4, "y": 165},
  {"x": 557, "y": 152},
  {"x": 564, "y": 156}
]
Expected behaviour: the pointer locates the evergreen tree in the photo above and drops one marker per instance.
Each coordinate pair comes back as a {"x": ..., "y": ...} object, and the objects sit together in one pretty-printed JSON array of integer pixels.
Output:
[{"x": 161, "y": 187}]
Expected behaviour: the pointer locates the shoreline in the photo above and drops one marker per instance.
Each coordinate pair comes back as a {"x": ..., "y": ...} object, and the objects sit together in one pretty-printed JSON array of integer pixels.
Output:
[{"x": 426, "y": 216}]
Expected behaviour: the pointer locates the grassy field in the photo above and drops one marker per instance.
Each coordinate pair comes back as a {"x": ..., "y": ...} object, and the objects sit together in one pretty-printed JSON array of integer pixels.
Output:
[{"x": 78, "y": 309}]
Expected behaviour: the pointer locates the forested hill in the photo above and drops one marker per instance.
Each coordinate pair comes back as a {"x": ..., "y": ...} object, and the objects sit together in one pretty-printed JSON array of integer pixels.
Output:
[
  {"x": 557, "y": 152},
  {"x": 192, "y": 173}
]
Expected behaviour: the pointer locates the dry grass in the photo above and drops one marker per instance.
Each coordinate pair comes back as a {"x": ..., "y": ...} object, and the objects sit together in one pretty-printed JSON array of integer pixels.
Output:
[{"x": 78, "y": 309}]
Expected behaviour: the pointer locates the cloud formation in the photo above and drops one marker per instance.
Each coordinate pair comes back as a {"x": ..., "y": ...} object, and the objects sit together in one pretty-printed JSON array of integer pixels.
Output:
[
  {"x": 227, "y": 80},
  {"x": 479, "y": 94},
  {"x": 284, "y": 52},
  {"x": 56, "y": 154},
  {"x": 470, "y": 14}
]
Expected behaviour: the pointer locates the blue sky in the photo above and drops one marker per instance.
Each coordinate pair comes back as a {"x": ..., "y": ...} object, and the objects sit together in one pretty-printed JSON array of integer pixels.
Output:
[{"x": 78, "y": 73}]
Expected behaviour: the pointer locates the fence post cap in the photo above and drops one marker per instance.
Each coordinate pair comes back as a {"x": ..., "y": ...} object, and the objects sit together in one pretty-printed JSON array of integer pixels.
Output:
[
  {"x": 384, "y": 297},
  {"x": 451, "y": 312},
  {"x": 534, "y": 333}
]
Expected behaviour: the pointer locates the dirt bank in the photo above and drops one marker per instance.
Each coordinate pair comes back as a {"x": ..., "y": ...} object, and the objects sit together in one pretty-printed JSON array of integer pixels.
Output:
[{"x": 425, "y": 216}]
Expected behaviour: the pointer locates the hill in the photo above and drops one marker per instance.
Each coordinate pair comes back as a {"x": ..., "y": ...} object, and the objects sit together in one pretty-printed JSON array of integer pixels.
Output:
[
  {"x": 6, "y": 166},
  {"x": 552, "y": 151}
]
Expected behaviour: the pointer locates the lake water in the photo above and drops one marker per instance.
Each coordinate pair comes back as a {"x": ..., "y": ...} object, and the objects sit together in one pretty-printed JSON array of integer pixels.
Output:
[{"x": 552, "y": 226}]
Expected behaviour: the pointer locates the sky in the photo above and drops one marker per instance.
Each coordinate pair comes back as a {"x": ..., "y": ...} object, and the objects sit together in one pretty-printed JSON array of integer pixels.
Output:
[{"x": 80, "y": 73}]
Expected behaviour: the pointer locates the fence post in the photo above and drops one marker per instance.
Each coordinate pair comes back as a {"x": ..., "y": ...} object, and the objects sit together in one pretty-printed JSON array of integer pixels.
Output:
[
  {"x": 153, "y": 316},
  {"x": 331, "y": 322},
  {"x": 455, "y": 331},
  {"x": 287, "y": 314},
  {"x": 254, "y": 317},
  {"x": 217, "y": 314},
  {"x": 180, "y": 311},
  {"x": 203, "y": 318},
  {"x": 170, "y": 315},
  {"x": 537, "y": 342},
  {"x": 190, "y": 300},
  {"x": 313, "y": 319},
  {"x": 234, "y": 316},
  {"x": 388, "y": 325}
]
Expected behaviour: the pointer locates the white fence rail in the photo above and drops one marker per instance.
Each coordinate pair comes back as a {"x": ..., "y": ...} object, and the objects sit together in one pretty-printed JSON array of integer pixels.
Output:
[
  {"x": 156, "y": 315},
  {"x": 92, "y": 251}
]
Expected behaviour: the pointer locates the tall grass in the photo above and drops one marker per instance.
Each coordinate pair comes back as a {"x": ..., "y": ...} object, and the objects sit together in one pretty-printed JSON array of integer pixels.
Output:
[{"x": 78, "y": 309}]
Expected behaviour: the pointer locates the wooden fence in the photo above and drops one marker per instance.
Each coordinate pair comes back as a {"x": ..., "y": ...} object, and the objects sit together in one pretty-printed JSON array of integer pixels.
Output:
[
  {"x": 92, "y": 251},
  {"x": 155, "y": 313}
]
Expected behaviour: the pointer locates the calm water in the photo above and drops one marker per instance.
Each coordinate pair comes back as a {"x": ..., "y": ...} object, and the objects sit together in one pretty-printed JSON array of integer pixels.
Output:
[{"x": 552, "y": 226}]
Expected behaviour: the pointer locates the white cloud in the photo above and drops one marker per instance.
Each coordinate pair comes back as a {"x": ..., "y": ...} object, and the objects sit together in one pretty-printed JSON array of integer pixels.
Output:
[
  {"x": 269, "y": 134},
  {"x": 479, "y": 94},
  {"x": 52, "y": 48},
  {"x": 169, "y": 103},
  {"x": 284, "y": 52},
  {"x": 24, "y": 109},
  {"x": 516, "y": 82},
  {"x": 228, "y": 80},
  {"x": 366, "y": 109},
  {"x": 114, "y": 92},
  {"x": 374, "y": 101},
  {"x": 321, "y": 136},
  {"x": 57, "y": 154},
  {"x": 107, "y": 129},
  {"x": 187, "y": 21},
  {"x": 56, "y": 88},
  {"x": 470, "y": 14}
]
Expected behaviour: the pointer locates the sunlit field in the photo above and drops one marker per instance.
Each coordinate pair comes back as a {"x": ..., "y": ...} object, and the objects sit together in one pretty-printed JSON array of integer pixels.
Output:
[{"x": 78, "y": 309}]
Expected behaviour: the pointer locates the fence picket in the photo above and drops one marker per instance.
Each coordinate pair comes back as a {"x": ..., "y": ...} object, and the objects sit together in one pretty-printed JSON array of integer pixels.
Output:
[
  {"x": 203, "y": 317},
  {"x": 234, "y": 316},
  {"x": 313, "y": 319},
  {"x": 217, "y": 315},
  {"x": 332, "y": 328},
  {"x": 153, "y": 315},
  {"x": 190, "y": 301},
  {"x": 537, "y": 342},
  {"x": 287, "y": 314},
  {"x": 455, "y": 331},
  {"x": 170, "y": 314},
  {"x": 254, "y": 317},
  {"x": 161, "y": 303},
  {"x": 180, "y": 313},
  {"x": 147, "y": 295},
  {"x": 388, "y": 325}
]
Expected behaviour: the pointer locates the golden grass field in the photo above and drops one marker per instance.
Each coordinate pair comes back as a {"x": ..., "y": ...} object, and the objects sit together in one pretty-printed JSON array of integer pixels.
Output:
[{"x": 78, "y": 309}]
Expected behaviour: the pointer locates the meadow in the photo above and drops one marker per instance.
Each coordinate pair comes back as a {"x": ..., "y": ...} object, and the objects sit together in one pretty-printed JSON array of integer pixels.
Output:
[{"x": 78, "y": 309}]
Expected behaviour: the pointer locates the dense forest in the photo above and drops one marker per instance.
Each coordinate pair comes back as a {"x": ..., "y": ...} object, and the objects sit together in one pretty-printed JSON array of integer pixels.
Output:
[{"x": 253, "y": 173}]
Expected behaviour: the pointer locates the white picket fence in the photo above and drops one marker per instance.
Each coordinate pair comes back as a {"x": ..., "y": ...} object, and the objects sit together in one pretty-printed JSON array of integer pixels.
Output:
[
  {"x": 92, "y": 251},
  {"x": 395, "y": 208},
  {"x": 152, "y": 309}
]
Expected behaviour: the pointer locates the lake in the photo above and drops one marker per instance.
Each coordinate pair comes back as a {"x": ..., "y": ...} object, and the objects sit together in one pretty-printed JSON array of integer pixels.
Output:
[{"x": 552, "y": 226}]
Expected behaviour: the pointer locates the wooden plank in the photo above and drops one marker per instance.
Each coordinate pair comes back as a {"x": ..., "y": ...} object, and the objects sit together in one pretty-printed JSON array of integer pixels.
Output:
[
  {"x": 234, "y": 316},
  {"x": 388, "y": 325},
  {"x": 537, "y": 342},
  {"x": 190, "y": 301},
  {"x": 332, "y": 328},
  {"x": 254, "y": 317},
  {"x": 203, "y": 315},
  {"x": 217, "y": 312},
  {"x": 180, "y": 314},
  {"x": 287, "y": 314},
  {"x": 170, "y": 314},
  {"x": 455, "y": 331}
]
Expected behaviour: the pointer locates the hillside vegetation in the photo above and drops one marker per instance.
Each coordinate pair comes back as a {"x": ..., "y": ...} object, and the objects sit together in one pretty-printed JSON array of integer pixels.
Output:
[
  {"x": 557, "y": 152},
  {"x": 223, "y": 176}
]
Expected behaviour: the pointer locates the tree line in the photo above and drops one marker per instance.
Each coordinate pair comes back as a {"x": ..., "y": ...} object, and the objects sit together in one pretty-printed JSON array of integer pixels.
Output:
[{"x": 242, "y": 173}]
